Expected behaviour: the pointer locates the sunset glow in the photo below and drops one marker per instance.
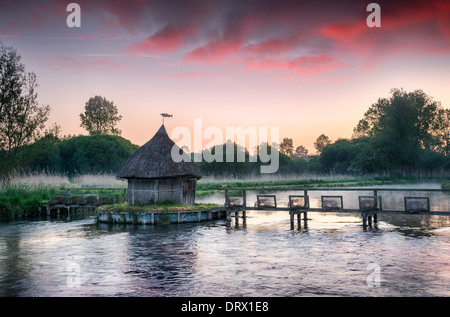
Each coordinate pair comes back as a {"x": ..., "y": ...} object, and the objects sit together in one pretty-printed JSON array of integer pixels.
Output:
[{"x": 305, "y": 67}]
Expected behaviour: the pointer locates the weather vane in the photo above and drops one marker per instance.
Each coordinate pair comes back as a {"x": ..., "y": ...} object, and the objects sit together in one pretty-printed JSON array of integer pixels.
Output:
[{"x": 166, "y": 115}]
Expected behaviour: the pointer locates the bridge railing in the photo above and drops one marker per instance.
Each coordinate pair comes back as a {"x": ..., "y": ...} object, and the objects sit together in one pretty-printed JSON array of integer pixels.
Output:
[{"x": 412, "y": 203}]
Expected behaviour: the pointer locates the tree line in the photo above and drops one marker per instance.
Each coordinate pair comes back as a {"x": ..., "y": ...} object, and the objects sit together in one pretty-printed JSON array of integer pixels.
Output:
[
  {"x": 406, "y": 133},
  {"x": 26, "y": 142}
]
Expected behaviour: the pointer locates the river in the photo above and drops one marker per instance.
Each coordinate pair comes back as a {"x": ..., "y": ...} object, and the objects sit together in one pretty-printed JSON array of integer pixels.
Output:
[{"x": 405, "y": 255}]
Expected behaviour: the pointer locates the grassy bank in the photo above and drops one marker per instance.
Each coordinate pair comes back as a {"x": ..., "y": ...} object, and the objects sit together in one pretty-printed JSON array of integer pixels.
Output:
[
  {"x": 165, "y": 206},
  {"x": 24, "y": 194},
  {"x": 210, "y": 187},
  {"x": 20, "y": 200},
  {"x": 446, "y": 184}
]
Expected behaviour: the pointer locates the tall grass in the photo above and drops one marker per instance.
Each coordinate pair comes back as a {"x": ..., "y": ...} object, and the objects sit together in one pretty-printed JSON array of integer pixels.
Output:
[
  {"x": 20, "y": 199},
  {"x": 25, "y": 193},
  {"x": 97, "y": 180}
]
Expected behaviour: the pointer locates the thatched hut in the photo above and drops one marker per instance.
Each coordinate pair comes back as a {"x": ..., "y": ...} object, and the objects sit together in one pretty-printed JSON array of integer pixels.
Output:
[{"x": 153, "y": 175}]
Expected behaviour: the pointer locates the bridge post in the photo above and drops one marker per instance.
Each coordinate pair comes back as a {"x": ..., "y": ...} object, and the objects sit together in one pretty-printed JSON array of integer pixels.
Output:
[
  {"x": 291, "y": 215},
  {"x": 364, "y": 218}
]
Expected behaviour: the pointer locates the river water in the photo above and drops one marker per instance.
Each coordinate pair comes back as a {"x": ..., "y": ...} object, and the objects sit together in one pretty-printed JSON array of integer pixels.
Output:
[{"x": 405, "y": 255}]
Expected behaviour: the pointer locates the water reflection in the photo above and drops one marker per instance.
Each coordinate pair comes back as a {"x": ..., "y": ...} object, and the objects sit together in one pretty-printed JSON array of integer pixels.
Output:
[{"x": 262, "y": 257}]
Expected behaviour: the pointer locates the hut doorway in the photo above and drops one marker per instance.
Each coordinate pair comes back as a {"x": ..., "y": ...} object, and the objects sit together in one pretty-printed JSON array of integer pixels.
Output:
[{"x": 189, "y": 187}]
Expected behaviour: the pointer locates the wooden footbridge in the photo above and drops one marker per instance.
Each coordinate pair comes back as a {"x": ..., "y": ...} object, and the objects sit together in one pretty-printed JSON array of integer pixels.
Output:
[
  {"x": 368, "y": 202},
  {"x": 413, "y": 201}
]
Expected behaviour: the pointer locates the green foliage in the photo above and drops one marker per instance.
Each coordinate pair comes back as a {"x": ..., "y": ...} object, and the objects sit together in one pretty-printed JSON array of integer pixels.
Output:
[
  {"x": 407, "y": 133},
  {"x": 215, "y": 161},
  {"x": 337, "y": 157},
  {"x": 100, "y": 116},
  {"x": 87, "y": 154},
  {"x": 22, "y": 200},
  {"x": 22, "y": 119},
  {"x": 321, "y": 142},
  {"x": 287, "y": 147}
]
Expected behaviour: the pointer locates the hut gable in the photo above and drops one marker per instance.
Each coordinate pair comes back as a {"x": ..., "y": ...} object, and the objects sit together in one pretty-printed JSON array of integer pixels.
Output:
[{"x": 154, "y": 160}]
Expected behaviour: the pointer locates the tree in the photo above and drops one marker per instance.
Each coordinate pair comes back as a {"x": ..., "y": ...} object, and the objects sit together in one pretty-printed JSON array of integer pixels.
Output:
[
  {"x": 412, "y": 117},
  {"x": 86, "y": 154},
  {"x": 404, "y": 125},
  {"x": 321, "y": 142},
  {"x": 301, "y": 151},
  {"x": 22, "y": 120},
  {"x": 100, "y": 117},
  {"x": 443, "y": 134},
  {"x": 287, "y": 147},
  {"x": 338, "y": 156},
  {"x": 218, "y": 161}
]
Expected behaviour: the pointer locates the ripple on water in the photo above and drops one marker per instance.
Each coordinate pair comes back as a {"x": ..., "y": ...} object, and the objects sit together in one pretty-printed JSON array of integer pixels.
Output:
[{"x": 331, "y": 257}]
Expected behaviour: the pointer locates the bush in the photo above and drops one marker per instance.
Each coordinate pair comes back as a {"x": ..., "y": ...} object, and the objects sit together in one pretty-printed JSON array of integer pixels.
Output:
[{"x": 87, "y": 155}]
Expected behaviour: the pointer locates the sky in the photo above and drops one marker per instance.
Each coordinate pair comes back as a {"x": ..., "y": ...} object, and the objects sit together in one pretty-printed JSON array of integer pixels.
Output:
[{"x": 305, "y": 67}]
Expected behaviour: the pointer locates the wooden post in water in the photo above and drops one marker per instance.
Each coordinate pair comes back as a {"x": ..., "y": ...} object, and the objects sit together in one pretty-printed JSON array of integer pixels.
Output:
[
  {"x": 364, "y": 216},
  {"x": 291, "y": 215},
  {"x": 227, "y": 199}
]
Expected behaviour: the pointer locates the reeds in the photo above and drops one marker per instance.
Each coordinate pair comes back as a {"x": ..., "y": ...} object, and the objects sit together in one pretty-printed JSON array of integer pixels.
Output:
[{"x": 25, "y": 193}]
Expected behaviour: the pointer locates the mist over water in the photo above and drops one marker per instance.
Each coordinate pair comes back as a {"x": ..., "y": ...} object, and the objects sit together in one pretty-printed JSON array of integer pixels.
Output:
[{"x": 405, "y": 255}]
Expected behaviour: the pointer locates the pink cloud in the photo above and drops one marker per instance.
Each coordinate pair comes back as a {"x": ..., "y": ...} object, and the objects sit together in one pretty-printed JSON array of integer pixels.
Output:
[
  {"x": 249, "y": 34},
  {"x": 421, "y": 27},
  {"x": 301, "y": 65},
  {"x": 167, "y": 39},
  {"x": 298, "y": 36},
  {"x": 213, "y": 52}
]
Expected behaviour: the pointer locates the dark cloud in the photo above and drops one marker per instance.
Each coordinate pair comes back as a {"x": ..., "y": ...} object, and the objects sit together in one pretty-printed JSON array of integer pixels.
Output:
[{"x": 280, "y": 32}]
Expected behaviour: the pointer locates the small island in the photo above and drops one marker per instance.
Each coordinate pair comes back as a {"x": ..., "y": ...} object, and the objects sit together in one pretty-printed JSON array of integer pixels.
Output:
[
  {"x": 160, "y": 191},
  {"x": 164, "y": 212}
]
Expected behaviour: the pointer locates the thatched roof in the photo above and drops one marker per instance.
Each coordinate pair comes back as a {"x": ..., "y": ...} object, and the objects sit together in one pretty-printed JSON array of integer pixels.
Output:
[{"x": 154, "y": 160}]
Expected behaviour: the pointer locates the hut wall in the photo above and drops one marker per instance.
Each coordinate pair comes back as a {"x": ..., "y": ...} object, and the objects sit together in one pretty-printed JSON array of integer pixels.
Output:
[
  {"x": 180, "y": 190},
  {"x": 141, "y": 192}
]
